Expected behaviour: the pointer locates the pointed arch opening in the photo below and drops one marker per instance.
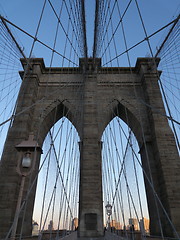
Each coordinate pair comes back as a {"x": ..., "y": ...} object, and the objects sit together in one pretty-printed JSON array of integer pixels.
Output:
[
  {"x": 57, "y": 194},
  {"x": 122, "y": 177}
]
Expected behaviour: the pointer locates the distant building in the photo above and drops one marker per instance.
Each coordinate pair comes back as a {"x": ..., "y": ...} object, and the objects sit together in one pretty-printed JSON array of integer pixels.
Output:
[
  {"x": 35, "y": 228},
  {"x": 50, "y": 226},
  {"x": 133, "y": 224},
  {"x": 113, "y": 223},
  {"x": 118, "y": 226},
  {"x": 144, "y": 225},
  {"x": 74, "y": 224}
]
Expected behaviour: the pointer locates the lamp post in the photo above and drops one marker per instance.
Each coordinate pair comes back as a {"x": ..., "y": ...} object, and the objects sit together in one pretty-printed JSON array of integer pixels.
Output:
[
  {"x": 108, "y": 212},
  {"x": 26, "y": 162}
]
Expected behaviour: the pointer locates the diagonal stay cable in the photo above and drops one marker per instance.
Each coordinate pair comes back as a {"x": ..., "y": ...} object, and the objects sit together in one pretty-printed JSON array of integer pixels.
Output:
[
  {"x": 39, "y": 101},
  {"x": 75, "y": 33},
  {"x": 105, "y": 31},
  {"x": 13, "y": 38},
  {"x": 145, "y": 39},
  {"x": 33, "y": 183},
  {"x": 160, "y": 82},
  {"x": 121, "y": 19},
  {"x": 59, "y": 170},
  {"x": 166, "y": 38},
  {"x": 36, "y": 39},
  {"x": 152, "y": 187},
  {"x": 66, "y": 34}
]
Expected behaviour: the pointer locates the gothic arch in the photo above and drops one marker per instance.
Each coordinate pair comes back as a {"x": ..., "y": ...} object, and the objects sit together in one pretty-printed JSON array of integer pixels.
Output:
[
  {"x": 52, "y": 114},
  {"x": 125, "y": 112}
]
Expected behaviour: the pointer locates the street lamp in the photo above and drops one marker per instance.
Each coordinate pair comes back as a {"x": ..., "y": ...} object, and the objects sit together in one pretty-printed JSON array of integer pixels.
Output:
[
  {"x": 26, "y": 162},
  {"x": 108, "y": 212}
]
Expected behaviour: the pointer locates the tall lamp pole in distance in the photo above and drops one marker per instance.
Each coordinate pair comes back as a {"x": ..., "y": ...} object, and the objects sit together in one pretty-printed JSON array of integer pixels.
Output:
[
  {"x": 109, "y": 213},
  {"x": 26, "y": 163}
]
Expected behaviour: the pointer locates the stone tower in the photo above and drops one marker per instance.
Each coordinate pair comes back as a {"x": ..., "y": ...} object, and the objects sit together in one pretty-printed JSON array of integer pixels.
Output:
[{"x": 132, "y": 94}]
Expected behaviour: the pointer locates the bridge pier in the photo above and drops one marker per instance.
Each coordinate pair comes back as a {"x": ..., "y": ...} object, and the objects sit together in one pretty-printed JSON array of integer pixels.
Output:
[{"x": 90, "y": 201}]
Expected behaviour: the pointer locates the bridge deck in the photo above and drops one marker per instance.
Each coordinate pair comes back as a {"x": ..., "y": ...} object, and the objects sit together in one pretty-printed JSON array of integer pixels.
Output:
[{"x": 108, "y": 236}]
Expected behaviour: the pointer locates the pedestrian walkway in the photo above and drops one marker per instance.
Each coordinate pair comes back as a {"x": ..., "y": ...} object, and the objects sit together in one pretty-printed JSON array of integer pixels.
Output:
[
  {"x": 112, "y": 236},
  {"x": 108, "y": 236}
]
